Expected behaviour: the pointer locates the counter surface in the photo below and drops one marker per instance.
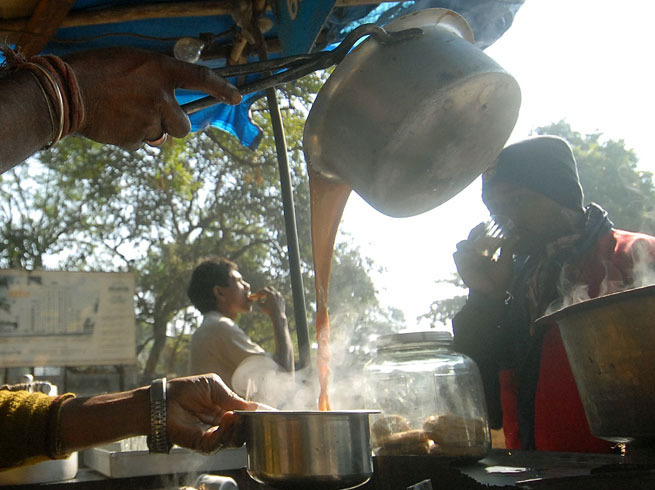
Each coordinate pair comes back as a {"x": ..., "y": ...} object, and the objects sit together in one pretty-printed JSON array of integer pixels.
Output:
[{"x": 501, "y": 469}]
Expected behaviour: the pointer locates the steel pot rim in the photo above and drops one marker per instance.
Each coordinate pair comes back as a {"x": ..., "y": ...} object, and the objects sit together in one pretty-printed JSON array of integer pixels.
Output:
[
  {"x": 595, "y": 303},
  {"x": 306, "y": 412}
]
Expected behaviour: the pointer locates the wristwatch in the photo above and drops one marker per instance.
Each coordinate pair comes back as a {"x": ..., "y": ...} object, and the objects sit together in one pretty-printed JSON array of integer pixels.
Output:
[{"x": 158, "y": 438}]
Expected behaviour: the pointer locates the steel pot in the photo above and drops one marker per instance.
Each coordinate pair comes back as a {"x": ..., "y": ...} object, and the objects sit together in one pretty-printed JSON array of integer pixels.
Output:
[
  {"x": 307, "y": 449},
  {"x": 410, "y": 124},
  {"x": 610, "y": 342}
]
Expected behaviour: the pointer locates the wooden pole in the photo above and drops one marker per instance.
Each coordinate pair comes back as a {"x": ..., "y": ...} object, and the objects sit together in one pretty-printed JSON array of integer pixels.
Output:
[
  {"x": 46, "y": 19},
  {"x": 11, "y": 30},
  {"x": 128, "y": 13}
]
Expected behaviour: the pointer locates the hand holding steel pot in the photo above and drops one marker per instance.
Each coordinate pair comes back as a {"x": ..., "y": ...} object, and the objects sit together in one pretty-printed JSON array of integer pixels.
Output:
[{"x": 299, "y": 450}]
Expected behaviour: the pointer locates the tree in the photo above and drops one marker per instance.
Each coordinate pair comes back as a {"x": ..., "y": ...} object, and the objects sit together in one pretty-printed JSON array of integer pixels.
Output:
[
  {"x": 442, "y": 311},
  {"x": 609, "y": 175},
  {"x": 356, "y": 318},
  {"x": 34, "y": 224},
  {"x": 155, "y": 211}
]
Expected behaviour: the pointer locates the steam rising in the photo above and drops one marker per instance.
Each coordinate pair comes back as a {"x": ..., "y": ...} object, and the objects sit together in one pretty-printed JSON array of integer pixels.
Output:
[
  {"x": 347, "y": 382},
  {"x": 642, "y": 274}
]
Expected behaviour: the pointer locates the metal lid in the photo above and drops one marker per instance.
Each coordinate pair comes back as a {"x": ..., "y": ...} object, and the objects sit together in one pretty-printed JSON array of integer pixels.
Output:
[{"x": 440, "y": 337}]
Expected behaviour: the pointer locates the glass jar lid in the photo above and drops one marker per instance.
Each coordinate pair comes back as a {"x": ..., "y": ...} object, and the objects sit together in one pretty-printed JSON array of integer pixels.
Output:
[{"x": 406, "y": 339}]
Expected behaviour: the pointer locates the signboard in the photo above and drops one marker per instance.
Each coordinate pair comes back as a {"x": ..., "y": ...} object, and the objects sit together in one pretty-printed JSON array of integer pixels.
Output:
[
  {"x": 55, "y": 318},
  {"x": 300, "y": 21}
]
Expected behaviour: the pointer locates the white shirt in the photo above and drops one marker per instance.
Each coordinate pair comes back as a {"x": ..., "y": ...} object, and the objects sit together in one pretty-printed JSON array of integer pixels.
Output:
[{"x": 219, "y": 346}]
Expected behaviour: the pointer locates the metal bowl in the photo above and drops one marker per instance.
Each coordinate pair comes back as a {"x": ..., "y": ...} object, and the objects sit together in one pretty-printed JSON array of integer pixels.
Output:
[
  {"x": 609, "y": 342},
  {"x": 305, "y": 449}
]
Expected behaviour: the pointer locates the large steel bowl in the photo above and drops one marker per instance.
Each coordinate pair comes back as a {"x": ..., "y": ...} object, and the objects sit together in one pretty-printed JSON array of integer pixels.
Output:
[
  {"x": 309, "y": 450},
  {"x": 610, "y": 344}
]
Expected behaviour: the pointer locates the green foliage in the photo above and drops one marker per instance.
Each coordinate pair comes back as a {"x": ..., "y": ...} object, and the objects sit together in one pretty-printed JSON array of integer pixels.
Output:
[
  {"x": 35, "y": 218},
  {"x": 610, "y": 176},
  {"x": 442, "y": 311},
  {"x": 156, "y": 211}
]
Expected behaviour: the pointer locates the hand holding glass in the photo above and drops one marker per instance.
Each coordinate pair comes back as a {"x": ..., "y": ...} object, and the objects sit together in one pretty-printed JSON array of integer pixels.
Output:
[{"x": 488, "y": 237}]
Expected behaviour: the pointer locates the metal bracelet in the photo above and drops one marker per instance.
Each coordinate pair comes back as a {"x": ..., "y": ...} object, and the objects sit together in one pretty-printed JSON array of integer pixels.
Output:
[
  {"x": 47, "y": 102},
  {"x": 158, "y": 438},
  {"x": 59, "y": 102}
]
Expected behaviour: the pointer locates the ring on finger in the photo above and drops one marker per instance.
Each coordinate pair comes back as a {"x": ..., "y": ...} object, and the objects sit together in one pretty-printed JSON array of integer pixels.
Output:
[{"x": 159, "y": 141}]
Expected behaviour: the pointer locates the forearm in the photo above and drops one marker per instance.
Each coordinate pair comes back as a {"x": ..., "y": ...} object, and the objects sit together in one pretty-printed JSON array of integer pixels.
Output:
[
  {"x": 283, "y": 346},
  {"x": 25, "y": 125},
  {"x": 86, "y": 422}
]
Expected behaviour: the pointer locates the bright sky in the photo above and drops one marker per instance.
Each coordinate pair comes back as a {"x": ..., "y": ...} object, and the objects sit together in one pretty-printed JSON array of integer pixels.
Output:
[{"x": 585, "y": 61}]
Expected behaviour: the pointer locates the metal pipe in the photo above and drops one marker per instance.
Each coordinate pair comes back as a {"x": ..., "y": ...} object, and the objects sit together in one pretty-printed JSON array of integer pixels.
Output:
[
  {"x": 297, "y": 66},
  {"x": 297, "y": 289}
]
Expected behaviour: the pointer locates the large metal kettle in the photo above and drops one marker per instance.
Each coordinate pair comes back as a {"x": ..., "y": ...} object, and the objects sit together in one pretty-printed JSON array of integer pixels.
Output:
[{"x": 409, "y": 125}]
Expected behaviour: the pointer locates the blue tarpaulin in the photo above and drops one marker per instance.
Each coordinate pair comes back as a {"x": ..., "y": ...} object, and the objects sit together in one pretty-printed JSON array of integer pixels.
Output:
[{"x": 297, "y": 24}]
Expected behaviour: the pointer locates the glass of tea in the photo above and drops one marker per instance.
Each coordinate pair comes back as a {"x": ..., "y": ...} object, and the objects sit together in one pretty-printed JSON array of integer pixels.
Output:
[{"x": 488, "y": 237}]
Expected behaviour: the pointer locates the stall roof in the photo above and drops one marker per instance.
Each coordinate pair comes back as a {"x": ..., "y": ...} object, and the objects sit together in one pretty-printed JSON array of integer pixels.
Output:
[{"x": 225, "y": 28}]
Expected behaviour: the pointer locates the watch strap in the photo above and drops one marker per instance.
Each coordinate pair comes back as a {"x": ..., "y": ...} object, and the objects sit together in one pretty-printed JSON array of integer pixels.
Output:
[{"x": 158, "y": 437}]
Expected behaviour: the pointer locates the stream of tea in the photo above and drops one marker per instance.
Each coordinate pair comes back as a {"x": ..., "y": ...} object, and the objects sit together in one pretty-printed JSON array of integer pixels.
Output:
[{"x": 328, "y": 200}]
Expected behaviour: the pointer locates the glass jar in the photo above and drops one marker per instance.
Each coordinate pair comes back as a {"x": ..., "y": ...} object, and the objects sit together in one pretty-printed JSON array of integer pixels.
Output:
[{"x": 431, "y": 398}]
